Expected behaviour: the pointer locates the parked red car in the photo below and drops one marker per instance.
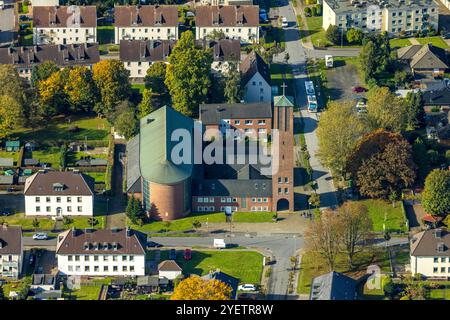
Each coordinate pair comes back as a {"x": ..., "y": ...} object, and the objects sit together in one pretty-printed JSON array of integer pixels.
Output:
[
  {"x": 187, "y": 254},
  {"x": 358, "y": 89}
]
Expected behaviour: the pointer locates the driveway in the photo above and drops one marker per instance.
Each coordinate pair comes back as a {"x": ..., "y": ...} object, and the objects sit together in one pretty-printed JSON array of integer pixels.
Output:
[{"x": 341, "y": 79}]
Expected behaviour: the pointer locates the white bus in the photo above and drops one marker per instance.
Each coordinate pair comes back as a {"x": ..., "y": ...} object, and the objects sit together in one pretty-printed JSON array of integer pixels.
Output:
[{"x": 311, "y": 96}]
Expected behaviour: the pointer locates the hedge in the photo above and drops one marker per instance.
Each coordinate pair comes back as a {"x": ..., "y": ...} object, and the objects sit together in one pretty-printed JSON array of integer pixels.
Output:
[{"x": 110, "y": 167}]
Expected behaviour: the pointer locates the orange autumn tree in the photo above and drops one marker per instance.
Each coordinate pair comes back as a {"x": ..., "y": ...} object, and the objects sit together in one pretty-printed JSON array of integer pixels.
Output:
[{"x": 196, "y": 288}]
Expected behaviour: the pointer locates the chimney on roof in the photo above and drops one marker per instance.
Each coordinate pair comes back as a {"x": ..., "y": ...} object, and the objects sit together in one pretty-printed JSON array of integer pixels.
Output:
[
  {"x": 440, "y": 247},
  {"x": 438, "y": 233},
  {"x": 128, "y": 232}
]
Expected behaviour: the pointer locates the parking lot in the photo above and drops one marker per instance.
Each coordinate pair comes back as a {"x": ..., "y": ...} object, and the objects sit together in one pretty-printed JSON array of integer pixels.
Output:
[{"x": 341, "y": 79}]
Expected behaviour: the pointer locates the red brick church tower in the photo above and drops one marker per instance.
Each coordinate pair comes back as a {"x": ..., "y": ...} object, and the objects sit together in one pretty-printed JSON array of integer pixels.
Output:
[{"x": 283, "y": 179}]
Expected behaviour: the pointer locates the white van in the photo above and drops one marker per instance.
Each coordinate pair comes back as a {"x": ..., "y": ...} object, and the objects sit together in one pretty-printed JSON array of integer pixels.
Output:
[
  {"x": 329, "y": 61},
  {"x": 219, "y": 244}
]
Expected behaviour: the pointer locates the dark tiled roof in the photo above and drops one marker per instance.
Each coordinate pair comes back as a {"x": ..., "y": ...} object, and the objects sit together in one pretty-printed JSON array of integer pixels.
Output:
[
  {"x": 438, "y": 97},
  {"x": 434, "y": 243},
  {"x": 233, "y": 188},
  {"x": 424, "y": 56},
  {"x": 64, "y": 16},
  {"x": 145, "y": 16},
  {"x": 10, "y": 240},
  {"x": 159, "y": 50},
  {"x": 214, "y": 113},
  {"x": 77, "y": 244},
  {"x": 74, "y": 184},
  {"x": 145, "y": 50},
  {"x": 225, "y": 278},
  {"x": 62, "y": 55},
  {"x": 227, "y": 16},
  {"x": 169, "y": 265},
  {"x": 252, "y": 64},
  {"x": 333, "y": 286}
]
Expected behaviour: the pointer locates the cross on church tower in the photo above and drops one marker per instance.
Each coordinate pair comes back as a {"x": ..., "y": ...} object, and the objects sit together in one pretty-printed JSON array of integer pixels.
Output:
[{"x": 284, "y": 86}]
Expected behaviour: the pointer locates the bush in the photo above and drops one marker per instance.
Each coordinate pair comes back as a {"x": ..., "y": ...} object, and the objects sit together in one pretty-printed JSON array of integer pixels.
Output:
[
  {"x": 447, "y": 156},
  {"x": 307, "y": 11},
  {"x": 314, "y": 11},
  {"x": 73, "y": 128},
  {"x": 318, "y": 9}
]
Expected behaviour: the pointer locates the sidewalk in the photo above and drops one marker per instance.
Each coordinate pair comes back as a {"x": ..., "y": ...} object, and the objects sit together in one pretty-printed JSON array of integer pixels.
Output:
[
  {"x": 288, "y": 223},
  {"x": 306, "y": 40}
]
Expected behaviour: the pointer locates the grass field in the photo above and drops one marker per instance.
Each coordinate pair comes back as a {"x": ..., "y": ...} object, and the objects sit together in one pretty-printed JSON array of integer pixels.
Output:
[
  {"x": 379, "y": 209},
  {"x": 49, "y": 155},
  {"x": 316, "y": 32},
  {"x": 90, "y": 128},
  {"x": 398, "y": 43},
  {"x": 374, "y": 294},
  {"x": 219, "y": 217},
  {"x": 87, "y": 292},
  {"x": 99, "y": 177},
  {"x": 244, "y": 265},
  {"x": 435, "y": 41},
  {"x": 14, "y": 155},
  {"x": 312, "y": 266},
  {"x": 138, "y": 87}
]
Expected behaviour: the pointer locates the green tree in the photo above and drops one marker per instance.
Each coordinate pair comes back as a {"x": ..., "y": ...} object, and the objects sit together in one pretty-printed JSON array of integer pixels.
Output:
[
  {"x": 232, "y": 90},
  {"x": 216, "y": 35},
  {"x": 314, "y": 200},
  {"x": 307, "y": 11},
  {"x": 368, "y": 60},
  {"x": 385, "y": 110},
  {"x": 43, "y": 71},
  {"x": 63, "y": 156},
  {"x": 80, "y": 90},
  {"x": 146, "y": 105},
  {"x": 11, "y": 85},
  {"x": 354, "y": 35},
  {"x": 436, "y": 194},
  {"x": 113, "y": 85},
  {"x": 52, "y": 99},
  {"x": 332, "y": 34},
  {"x": 126, "y": 124},
  {"x": 420, "y": 158},
  {"x": 335, "y": 143},
  {"x": 415, "y": 113},
  {"x": 188, "y": 75},
  {"x": 10, "y": 111},
  {"x": 156, "y": 75}
]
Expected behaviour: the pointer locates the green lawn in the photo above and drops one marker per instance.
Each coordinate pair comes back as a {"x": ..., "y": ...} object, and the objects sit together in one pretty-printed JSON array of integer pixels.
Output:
[
  {"x": 27, "y": 222},
  {"x": 379, "y": 209},
  {"x": 219, "y": 217},
  {"x": 90, "y": 128},
  {"x": 138, "y": 87},
  {"x": 244, "y": 265},
  {"x": 439, "y": 294},
  {"x": 398, "y": 43},
  {"x": 87, "y": 292},
  {"x": 99, "y": 177},
  {"x": 14, "y": 155},
  {"x": 312, "y": 266},
  {"x": 105, "y": 34},
  {"x": 373, "y": 294},
  {"x": 435, "y": 41},
  {"x": 316, "y": 32},
  {"x": 26, "y": 40},
  {"x": 49, "y": 155}
]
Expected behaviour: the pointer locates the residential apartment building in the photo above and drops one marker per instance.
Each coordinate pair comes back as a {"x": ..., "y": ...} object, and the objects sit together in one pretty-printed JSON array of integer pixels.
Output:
[
  {"x": 392, "y": 16},
  {"x": 64, "y": 25},
  {"x": 139, "y": 55},
  {"x": 236, "y": 22},
  {"x": 56, "y": 193},
  {"x": 103, "y": 252},
  {"x": 226, "y": 2},
  {"x": 25, "y": 58},
  {"x": 255, "y": 79},
  {"x": 11, "y": 251},
  {"x": 430, "y": 253},
  {"x": 150, "y": 22}
]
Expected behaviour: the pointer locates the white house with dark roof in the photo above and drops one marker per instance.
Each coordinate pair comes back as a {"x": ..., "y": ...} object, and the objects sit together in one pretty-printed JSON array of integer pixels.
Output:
[
  {"x": 169, "y": 269},
  {"x": 103, "y": 252},
  {"x": 11, "y": 251},
  {"x": 255, "y": 78},
  {"x": 55, "y": 193},
  {"x": 430, "y": 253}
]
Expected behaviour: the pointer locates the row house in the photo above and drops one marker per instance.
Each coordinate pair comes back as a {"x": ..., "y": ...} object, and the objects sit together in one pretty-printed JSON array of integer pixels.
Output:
[
  {"x": 235, "y": 22},
  {"x": 139, "y": 55},
  {"x": 25, "y": 58},
  {"x": 64, "y": 24},
  {"x": 101, "y": 252},
  {"x": 11, "y": 251},
  {"x": 150, "y": 22},
  {"x": 56, "y": 193}
]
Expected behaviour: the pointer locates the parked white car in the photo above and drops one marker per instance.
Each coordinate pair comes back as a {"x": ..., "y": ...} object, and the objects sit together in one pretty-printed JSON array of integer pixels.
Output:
[
  {"x": 40, "y": 236},
  {"x": 284, "y": 22},
  {"x": 219, "y": 244},
  {"x": 247, "y": 287}
]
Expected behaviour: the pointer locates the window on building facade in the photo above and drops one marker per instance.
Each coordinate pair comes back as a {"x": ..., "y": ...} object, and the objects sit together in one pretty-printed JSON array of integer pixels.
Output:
[{"x": 48, "y": 209}]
